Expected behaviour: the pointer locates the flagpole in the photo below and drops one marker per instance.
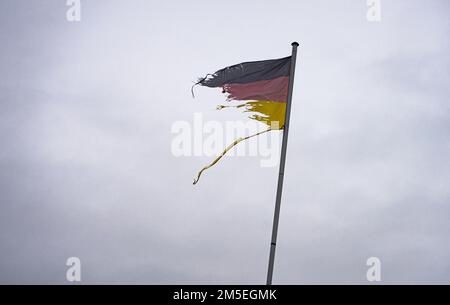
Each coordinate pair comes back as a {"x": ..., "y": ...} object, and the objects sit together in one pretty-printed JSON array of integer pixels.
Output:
[{"x": 276, "y": 216}]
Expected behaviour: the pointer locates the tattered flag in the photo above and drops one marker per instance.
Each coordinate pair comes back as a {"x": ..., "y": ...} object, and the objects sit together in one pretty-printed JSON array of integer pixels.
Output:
[{"x": 262, "y": 85}]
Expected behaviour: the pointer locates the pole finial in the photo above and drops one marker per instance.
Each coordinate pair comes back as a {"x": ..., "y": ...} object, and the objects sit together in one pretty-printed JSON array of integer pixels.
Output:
[{"x": 295, "y": 43}]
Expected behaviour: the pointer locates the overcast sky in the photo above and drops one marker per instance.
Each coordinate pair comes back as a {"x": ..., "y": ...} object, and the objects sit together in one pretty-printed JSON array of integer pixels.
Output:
[{"x": 86, "y": 167}]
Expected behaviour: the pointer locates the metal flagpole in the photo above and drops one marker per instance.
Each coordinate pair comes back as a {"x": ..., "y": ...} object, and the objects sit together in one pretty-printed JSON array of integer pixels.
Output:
[{"x": 282, "y": 163}]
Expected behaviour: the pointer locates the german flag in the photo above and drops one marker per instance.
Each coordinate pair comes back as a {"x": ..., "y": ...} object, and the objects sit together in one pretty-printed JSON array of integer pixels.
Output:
[{"x": 261, "y": 85}]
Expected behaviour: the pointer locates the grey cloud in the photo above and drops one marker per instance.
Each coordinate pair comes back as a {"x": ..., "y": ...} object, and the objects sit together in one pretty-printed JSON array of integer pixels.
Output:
[{"x": 86, "y": 168}]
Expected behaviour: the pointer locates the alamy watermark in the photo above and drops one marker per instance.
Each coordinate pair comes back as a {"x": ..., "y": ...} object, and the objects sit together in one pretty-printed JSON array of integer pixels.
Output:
[
  {"x": 209, "y": 138},
  {"x": 374, "y": 272},
  {"x": 73, "y": 273},
  {"x": 374, "y": 10},
  {"x": 73, "y": 14}
]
